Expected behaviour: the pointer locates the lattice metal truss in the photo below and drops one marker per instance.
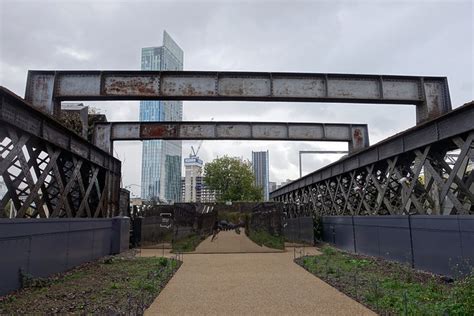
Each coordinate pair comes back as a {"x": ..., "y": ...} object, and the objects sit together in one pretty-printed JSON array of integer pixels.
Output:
[
  {"x": 50, "y": 171},
  {"x": 434, "y": 176}
]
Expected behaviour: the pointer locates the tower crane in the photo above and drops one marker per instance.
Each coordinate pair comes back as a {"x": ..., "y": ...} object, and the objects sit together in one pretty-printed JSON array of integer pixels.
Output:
[{"x": 195, "y": 152}]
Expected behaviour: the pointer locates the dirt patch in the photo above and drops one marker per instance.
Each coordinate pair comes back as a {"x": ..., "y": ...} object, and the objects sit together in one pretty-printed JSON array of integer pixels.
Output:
[{"x": 122, "y": 284}]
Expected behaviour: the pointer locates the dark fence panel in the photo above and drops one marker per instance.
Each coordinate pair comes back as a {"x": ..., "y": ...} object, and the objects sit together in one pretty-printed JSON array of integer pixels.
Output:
[
  {"x": 383, "y": 236},
  {"x": 41, "y": 247},
  {"x": 338, "y": 230},
  {"x": 466, "y": 225},
  {"x": 299, "y": 229},
  {"x": 439, "y": 244}
]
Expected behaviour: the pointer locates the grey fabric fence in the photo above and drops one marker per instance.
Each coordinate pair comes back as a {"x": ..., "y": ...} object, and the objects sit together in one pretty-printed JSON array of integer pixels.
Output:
[
  {"x": 438, "y": 244},
  {"x": 42, "y": 247}
]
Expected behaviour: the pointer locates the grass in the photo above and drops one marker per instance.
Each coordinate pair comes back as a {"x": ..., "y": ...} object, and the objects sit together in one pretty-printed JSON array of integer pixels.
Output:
[
  {"x": 187, "y": 244},
  {"x": 263, "y": 238},
  {"x": 111, "y": 286},
  {"x": 391, "y": 288}
]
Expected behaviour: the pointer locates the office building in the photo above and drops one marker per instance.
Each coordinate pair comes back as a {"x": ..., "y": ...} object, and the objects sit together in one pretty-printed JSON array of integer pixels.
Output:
[
  {"x": 288, "y": 181},
  {"x": 260, "y": 166},
  {"x": 203, "y": 193},
  {"x": 161, "y": 160},
  {"x": 192, "y": 170},
  {"x": 272, "y": 186}
]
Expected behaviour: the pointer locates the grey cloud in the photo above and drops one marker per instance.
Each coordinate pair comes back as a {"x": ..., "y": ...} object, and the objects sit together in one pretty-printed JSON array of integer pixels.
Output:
[{"x": 393, "y": 37}]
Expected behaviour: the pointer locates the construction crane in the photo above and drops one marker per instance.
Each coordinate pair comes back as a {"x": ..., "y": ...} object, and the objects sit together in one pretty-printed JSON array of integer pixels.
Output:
[{"x": 195, "y": 152}]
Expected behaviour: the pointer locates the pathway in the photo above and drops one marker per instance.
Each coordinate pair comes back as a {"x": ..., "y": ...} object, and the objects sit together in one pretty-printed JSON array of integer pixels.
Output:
[{"x": 248, "y": 284}]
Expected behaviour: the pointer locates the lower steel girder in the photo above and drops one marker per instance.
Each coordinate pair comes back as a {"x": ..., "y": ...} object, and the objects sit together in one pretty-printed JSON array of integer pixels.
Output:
[{"x": 355, "y": 134}]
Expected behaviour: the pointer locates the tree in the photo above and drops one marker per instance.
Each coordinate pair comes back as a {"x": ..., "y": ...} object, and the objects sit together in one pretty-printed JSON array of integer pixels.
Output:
[{"x": 233, "y": 179}]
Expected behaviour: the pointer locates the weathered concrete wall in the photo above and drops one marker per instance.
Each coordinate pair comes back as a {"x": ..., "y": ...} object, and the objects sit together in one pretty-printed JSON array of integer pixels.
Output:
[{"x": 42, "y": 247}]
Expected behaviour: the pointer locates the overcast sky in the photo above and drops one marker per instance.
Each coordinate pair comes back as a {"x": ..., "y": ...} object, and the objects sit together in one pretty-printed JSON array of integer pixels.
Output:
[{"x": 382, "y": 37}]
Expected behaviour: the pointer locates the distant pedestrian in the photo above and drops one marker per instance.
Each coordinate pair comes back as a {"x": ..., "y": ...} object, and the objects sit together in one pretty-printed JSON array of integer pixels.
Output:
[{"x": 215, "y": 230}]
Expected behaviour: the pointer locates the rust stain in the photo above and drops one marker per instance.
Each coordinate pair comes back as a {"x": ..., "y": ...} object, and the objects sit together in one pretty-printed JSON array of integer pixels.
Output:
[
  {"x": 158, "y": 131},
  {"x": 131, "y": 86},
  {"x": 40, "y": 88},
  {"x": 358, "y": 137},
  {"x": 233, "y": 90},
  {"x": 169, "y": 87},
  {"x": 434, "y": 108},
  {"x": 189, "y": 90}
]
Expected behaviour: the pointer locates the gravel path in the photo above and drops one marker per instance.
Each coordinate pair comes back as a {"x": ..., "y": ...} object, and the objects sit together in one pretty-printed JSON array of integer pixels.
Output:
[
  {"x": 249, "y": 284},
  {"x": 231, "y": 242}
]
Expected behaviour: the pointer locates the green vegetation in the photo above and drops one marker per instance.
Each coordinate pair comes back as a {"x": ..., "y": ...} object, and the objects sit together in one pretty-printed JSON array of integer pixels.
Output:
[
  {"x": 187, "y": 244},
  {"x": 391, "y": 288},
  {"x": 115, "y": 285},
  {"x": 233, "y": 179},
  {"x": 264, "y": 238}
]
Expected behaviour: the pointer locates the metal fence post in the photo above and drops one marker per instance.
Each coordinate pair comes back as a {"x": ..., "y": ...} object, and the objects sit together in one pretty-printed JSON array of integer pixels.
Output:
[
  {"x": 354, "y": 235},
  {"x": 412, "y": 262}
]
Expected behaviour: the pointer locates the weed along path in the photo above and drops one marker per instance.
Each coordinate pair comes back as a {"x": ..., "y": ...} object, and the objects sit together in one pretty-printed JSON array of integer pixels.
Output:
[{"x": 249, "y": 284}]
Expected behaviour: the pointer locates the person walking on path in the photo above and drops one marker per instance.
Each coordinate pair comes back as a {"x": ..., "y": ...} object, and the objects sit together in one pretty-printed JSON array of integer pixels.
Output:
[{"x": 215, "y": 230}]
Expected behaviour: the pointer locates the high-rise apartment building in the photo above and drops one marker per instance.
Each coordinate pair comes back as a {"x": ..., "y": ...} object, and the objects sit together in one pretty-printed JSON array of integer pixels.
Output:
[
  {"x": 260, "y": 166},
  {"x": 203, "y": 193},
  {"x": 288, "y": 181},
  {"x": 161, "y": 160},
  {"x": 192, "y": 171},
  {"x": 272, "y": 186}
]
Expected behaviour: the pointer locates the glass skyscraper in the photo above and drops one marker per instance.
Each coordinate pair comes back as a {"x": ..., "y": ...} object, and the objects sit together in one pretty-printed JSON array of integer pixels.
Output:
[
  {"x": 161, "y": 160},
  {"x": 260, "y": 166}
]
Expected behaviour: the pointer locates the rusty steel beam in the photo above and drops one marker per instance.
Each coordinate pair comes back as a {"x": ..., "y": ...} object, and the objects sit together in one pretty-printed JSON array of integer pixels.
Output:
[
  {"x": 355, "y": 134},
  {"x": 46, "y": 89}
]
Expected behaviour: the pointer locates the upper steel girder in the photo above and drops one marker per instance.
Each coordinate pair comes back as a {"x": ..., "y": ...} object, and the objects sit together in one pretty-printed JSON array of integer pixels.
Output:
[
  {"x": 405, "y": 174},
  {"x": 46, "y": 89},
  {"x": 42, "y": 164}
]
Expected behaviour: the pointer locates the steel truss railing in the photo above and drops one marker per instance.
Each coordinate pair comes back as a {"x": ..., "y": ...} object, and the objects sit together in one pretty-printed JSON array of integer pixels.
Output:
[
  {"x": 425, "y": 170},
  {"x": 50, "y": 171}
]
